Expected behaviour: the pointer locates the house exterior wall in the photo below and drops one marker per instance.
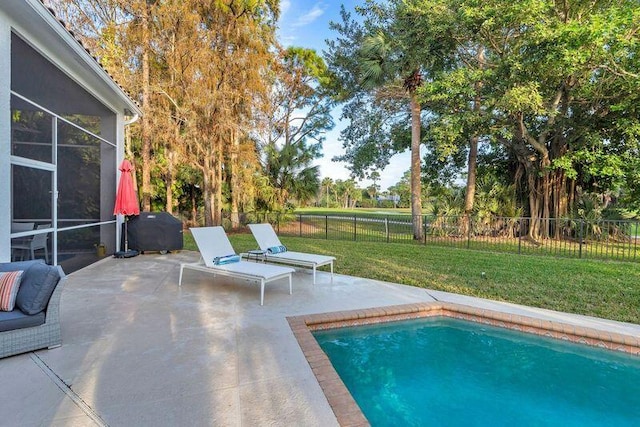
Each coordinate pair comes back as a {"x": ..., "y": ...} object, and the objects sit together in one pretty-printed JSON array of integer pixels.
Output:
[
  {"x": 5, "y": 136},
  {"x": 34, "y": 25}
]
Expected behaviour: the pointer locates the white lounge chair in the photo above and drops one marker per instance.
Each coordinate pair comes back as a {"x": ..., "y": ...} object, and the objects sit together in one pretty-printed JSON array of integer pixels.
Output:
[
  {"x": 267, "y": 238},
  {"x": 213, "y": 242}
]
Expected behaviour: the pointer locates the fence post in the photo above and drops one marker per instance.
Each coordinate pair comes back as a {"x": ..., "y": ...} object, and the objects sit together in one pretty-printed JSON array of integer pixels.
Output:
[
  {"x": 580, "y": 238},
  {"x": 326, "y": 227},
  {"x": 520, "y": 237},
  {"x": 468, "y": 231},
  {"x": 635, "y": 241},
  {"x": 277, "y": 221},
  {"x": 300, "y": 222},
  {"x": 354, "y": 228},
  {"x": 424, "y": 230},
  {"x": 386, "y": 226}
]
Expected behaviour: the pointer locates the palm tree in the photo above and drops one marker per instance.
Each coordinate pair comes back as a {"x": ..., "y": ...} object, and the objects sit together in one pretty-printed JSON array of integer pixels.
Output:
[
  {"x": 348, "y": 192},
  {"x": 290, "y": 172},
  {"x": 375, "y": 188},
  {"x": 380, "y": 71},
  {"x": 327, "y": 186}
]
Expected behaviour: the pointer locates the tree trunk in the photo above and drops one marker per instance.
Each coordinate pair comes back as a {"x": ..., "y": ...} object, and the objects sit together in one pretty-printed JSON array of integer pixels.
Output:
[
  {"x": 546, "y": 201},
  {"x": 533, "y": 207},
  {"x": 470, "y": 194},
  {"x": 208, "y": 189},
  {"x": 563, "y": 203},
  {"x": 194, "y": 208},
  {"x": 146, "y": 108},
  {"x": 169, "y": 180},
  {"x": 473, "y": 144},
  {"x": 217, "y": 208},
  {"x": 572, "y": 195},
  {"x": 235, "y": 180},
  {"x": 471, "y": 175},
  {"x": 416, "y": 187}
]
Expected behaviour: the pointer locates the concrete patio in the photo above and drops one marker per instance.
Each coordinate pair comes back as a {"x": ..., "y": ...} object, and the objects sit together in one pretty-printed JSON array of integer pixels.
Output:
[{"x": 139, "y": 350}]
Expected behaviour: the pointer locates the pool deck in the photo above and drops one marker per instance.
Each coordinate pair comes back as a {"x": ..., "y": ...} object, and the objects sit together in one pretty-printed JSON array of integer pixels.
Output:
[{"x": 139, "y": 350}]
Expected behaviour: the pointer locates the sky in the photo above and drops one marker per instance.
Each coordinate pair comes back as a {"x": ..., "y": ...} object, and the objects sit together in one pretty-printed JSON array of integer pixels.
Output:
[{"x": 305, "y": 23}]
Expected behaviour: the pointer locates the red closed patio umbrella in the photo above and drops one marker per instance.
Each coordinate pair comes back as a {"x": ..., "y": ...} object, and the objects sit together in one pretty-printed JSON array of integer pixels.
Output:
[{"x": 126, "y": 204}]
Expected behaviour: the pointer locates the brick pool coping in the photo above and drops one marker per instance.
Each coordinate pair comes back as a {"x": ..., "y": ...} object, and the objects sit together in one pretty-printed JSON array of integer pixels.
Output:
[{"x": 346, "y": 409}]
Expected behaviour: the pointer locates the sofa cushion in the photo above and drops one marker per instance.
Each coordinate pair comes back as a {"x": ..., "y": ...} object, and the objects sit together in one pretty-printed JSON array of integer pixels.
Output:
[
  {"x": 38, "y": 283},
  {"x": 9, "y": 284},
  {"x": 19, "y": 265},
  {"x": 16, "y": 319}
]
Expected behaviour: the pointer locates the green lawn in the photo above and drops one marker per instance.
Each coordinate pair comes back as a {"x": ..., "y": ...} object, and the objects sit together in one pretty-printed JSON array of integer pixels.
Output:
[
  {"x": 604, "y": 289},
  {"x": 354, "y": 211}
]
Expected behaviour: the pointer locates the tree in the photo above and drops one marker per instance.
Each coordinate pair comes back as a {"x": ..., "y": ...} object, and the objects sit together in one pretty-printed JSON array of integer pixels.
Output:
[
  {"x": 563, "y": 84},
  {"x": 326, "y": 187},
  {"x": 98, "y": 24},
  {"x": 290, "y": 172},
  {"x": 202, "y": 70},
  {"x": 348, "y": 192},
  {"x": 297, "y": 113},
  {"x": 552, "y": 85},
  {"x": 231, "y": 42},
  {"x": 377, "y": 69},
  {"x": 402, "y": 190},
  {"x": 374, "y": 188},
  {"x": 121, "y": 33},
  {"x": 143, "y": 11}
]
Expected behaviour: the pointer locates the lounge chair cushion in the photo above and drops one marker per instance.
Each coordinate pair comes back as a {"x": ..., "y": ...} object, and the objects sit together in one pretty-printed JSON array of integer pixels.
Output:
[
  {"x": 9, "y": 285},
  {"x": 226, "y": 259},
  {"x": 277, "y": 249},
  {"x": 16, "y": 319},
  {"x": 36, "y": 288}
]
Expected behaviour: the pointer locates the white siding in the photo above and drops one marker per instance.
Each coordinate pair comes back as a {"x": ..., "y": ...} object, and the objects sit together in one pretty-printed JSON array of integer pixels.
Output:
[{"x": 5, "y": 138}]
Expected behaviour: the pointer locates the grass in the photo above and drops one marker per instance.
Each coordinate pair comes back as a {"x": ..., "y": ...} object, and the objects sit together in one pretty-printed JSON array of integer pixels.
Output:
[
  {"x": 606, "y": 289},
  {"x": 388, "y": 227},
  {"x": 353, "y": 211}
]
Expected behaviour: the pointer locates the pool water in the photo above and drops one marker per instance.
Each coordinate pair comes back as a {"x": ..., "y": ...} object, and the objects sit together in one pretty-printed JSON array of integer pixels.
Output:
[{"x": 448, "y": 372}]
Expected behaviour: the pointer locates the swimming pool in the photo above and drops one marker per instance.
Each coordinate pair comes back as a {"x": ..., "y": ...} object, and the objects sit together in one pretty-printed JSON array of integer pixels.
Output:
[
  {"x": 443, "y": 371},
  {"x": 623, "y": 340}
]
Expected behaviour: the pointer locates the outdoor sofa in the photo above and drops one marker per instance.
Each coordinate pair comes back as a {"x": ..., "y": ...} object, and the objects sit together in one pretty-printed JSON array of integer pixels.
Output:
[{"x": 34, "y": 323}]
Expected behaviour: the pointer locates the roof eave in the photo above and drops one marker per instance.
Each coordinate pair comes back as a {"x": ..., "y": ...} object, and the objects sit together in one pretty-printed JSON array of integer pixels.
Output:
[{"x": 56, "y": 25}]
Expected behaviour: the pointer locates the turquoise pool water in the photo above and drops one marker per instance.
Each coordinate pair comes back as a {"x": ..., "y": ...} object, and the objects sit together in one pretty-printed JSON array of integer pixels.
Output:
[{"x": 448, "y": 372}]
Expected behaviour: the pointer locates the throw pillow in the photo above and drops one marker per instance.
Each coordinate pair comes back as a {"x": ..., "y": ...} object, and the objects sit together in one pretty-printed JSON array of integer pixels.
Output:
[
  {"x": 37, "y": 287},
  {"x": 277, "y": 249},
  {"x": 227, "y": 259},
  {"x": 9, "y": 285}
]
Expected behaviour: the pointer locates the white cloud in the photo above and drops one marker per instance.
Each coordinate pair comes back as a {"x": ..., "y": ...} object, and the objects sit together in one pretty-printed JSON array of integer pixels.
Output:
[
  {"x": 284, "y": 6},
  {"x": 288, "y": 40},
  {"x": 306, "y": 19}
]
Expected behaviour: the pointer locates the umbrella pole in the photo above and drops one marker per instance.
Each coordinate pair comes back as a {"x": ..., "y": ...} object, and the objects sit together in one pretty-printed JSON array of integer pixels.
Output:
[
  {"x": 126, "y": 235},
  {"x": 126, "y": 253}
]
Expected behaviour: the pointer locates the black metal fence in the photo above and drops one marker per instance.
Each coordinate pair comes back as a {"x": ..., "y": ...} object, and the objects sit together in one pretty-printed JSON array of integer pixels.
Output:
[{"x": 577, "y": 238}]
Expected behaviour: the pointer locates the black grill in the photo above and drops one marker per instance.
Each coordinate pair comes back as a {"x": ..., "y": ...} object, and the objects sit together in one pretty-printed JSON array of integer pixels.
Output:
[{"x": 155, "y": 231}]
